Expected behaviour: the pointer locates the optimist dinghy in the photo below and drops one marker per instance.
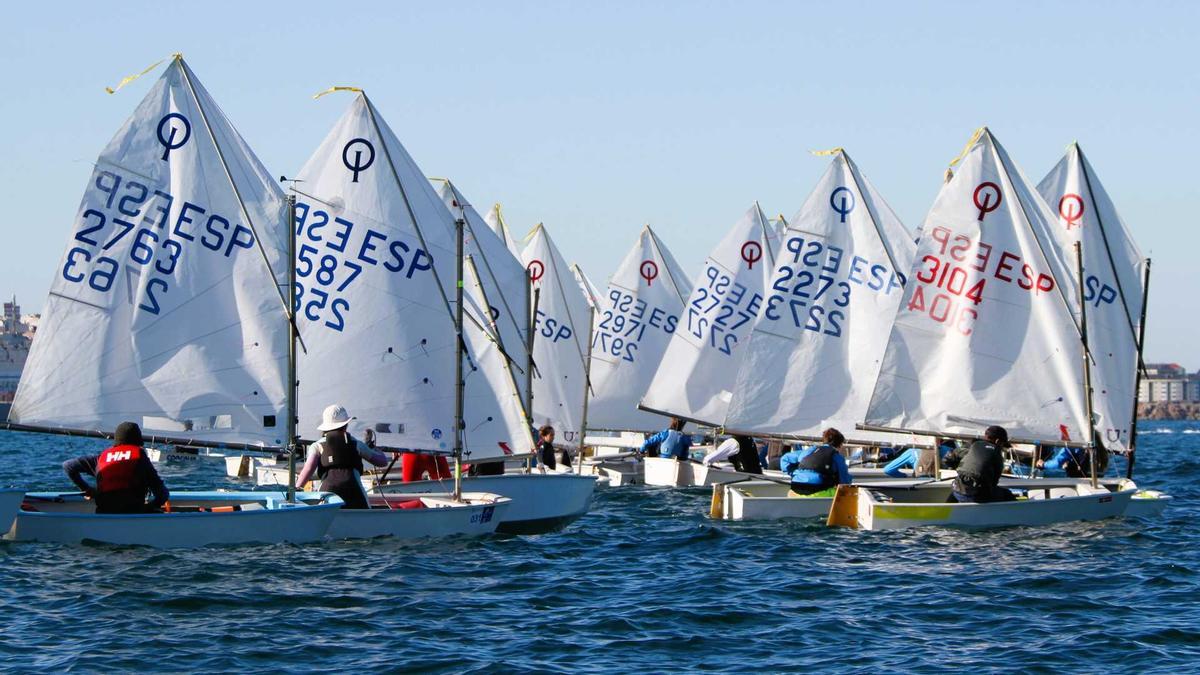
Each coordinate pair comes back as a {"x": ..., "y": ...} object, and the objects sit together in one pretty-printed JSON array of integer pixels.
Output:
[
  {"x": 195, "y": 519},
  {"x": 1045, "y": 502},
  {"x": 422, "y": 515},
  {"x": 10, "y": 502},
  {"x": 540, "y": 502}
]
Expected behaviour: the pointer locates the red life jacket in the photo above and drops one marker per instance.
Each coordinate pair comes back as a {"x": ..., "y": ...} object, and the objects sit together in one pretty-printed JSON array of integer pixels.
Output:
[{"x": 117, "y": 469}]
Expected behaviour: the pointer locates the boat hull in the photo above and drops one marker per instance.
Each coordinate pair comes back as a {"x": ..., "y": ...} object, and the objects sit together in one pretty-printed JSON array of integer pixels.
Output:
[
  {"x": 266, "y": 519},
  {"x": 668, "y": 472},
  {"x": 1043, "y": 507},
  {"x": 10, "y": 503},
  {"x": 477, "y": 515},
  {"x": 540, "y": 502}
]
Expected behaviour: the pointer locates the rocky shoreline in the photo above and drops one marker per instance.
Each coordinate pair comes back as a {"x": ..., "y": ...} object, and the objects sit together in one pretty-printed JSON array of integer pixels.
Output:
[{"x": 1169, "y": 411}]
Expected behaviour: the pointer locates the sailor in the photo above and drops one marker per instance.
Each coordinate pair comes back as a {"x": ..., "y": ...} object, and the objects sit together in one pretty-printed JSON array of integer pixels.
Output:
[
  {"x": 546, "y": 448},
  {"x": 417, "y": 465},
  {"x": 740, "y": 451},
  {"x": 670, "y": 442},
  {"x": 979, "y": 467},
  {"x": 919, "y": 460},
  {"x": 1077, "y": 462},
  {"x": 337, "y": 459},
  {"x": 124, "y": 474},
  {"x": 817, "y": 471}
]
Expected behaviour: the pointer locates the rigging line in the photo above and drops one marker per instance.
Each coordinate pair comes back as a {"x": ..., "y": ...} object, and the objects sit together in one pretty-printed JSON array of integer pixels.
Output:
[
  {"x": 670, "y": 275},
  {"x": 463, "y": 204},
  {"x": 1083, "y": 166},
  {"x": 563, "y": 294},
  {"x": 871, "y": 212},
  {"x": 287, "y": 311},
  {"x": 1029, "y": 224},
  {"x": 407, "y": 203}
]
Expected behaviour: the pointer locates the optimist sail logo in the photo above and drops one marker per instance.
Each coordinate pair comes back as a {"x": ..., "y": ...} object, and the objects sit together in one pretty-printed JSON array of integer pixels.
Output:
[
  {"x": 363, "y": 156},
  {"x": 649, "y": 271},
  {"x": 751, "y": 253},
  {"x": 842, "y": 201},
  {"x": 987, "y": 198},
  {"x": 536, "y": 269},
  {"x": 173, "y": 133},
  {"x": 1070, "y": 207}
]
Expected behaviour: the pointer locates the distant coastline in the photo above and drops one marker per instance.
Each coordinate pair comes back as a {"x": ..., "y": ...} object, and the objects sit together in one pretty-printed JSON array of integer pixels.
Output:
[{"x": 1163, "y": 410}]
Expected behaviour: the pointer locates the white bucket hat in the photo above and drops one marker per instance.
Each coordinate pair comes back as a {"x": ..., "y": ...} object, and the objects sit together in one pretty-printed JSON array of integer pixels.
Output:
[{"x": 335, "y": 417}]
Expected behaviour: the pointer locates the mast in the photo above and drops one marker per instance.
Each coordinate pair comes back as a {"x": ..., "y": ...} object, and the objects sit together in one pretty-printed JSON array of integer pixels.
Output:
[
  {"x": 1090, "y": 432},
  {"x": 1137, "y": 378},
  {"x": 458, "y": 357},
  {"x": 292, "y": 445},
  {"x": 587, "y": 386},
  {"x": 533, "y": 297}
]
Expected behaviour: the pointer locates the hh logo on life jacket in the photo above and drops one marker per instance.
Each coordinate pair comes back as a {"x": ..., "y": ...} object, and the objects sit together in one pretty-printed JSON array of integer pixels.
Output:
[{"x": 118, "y": 456}]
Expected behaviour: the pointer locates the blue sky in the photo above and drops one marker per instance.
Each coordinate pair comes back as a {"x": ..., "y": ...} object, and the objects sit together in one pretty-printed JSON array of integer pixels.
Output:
[{"x": 598, "y": 117}]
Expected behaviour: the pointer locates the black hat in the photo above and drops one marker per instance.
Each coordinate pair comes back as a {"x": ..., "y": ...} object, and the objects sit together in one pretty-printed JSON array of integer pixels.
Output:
[
  {"x": 128, "y": 433},
  {"x": 996, "y": 434}
]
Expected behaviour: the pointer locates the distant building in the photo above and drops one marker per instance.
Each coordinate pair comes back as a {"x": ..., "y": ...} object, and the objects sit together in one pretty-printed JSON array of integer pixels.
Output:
[
  {"x": 1169, "y": 383},
  {"x": 14, "y": 348}
]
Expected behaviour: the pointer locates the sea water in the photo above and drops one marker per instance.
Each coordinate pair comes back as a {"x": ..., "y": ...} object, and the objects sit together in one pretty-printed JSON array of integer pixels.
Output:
[{"x": 644, "y": 582}]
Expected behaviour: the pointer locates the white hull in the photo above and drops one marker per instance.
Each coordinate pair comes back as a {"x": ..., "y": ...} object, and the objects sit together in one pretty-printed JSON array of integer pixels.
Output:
[
  {"x": 10, "y": 503},
  {"x": 770, "y": 500},
  {"x": 70, "y": 519},
  {"x": 616, "y": 472},
  {"x": 1045, "y": 505},
  {"x": 668, "y": 472},
  {"x": 478, "y": 514},
  {"x": 190, "y": 454},
  {"x": 246, "y": 466},
  {"x": 540, "y": 502}
]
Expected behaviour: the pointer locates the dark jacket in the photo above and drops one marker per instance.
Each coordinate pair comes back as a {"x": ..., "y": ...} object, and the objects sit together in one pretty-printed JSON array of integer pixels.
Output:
[{"x": 979, "y": 465}]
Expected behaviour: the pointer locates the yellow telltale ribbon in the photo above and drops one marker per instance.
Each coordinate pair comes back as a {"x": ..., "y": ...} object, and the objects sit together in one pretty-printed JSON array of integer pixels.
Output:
[
  {"x": 131, "y": 78},
  {"x": 831, "y": 151},
  {"x": 970, "y": 144},
  {"x": 333, "y": 89}
]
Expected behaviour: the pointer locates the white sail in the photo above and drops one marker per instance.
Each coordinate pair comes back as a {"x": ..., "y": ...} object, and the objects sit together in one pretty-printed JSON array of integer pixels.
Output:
[
  {"x": 585, "y": 284},
  {"x": 1113, "y": 277},
  {"x": 503, "y": 278},
  {"x": 987, "y": 331},
  {"x": 696, "y": 375},
  {"x": 818, "y": 341},
  {"x": 779, "y": 227},
  {"x": 560, "y": 339},
  {"x": 635, "y": 319},
  {"x": 163, "y": 310},
  {"x": 486, "y": 367},
  {"x": 376, "y": 260},
  {"x": 495, "y": 220}
]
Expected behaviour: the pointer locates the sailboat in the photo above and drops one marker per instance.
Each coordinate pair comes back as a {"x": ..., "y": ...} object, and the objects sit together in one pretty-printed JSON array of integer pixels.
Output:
[
  {"x": 988, "y": 332},
  {"x": 167, "y": 310},
  {"x": 380, "y": 315},
  {"x": 1116, "y": 281},
  {"x": 697, "y": 371},
  {"x": 636, "y": 317},
  {"x": 811, "y": 357}
]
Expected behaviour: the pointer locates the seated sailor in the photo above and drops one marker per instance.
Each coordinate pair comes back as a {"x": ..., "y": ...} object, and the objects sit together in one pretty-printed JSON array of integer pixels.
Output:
[
  {"x": 337, "y": 458},
  {"x": 979, "y": 466},
  {"x": 740, "y": 451},
  {"x": 546, "y": 448},
  {"x": 124, "y": 474},
  {"x": 919, "y": 460},
  {"x": 670, "y": 442},
  {"x": 1076, "y": 462},
  {"x": 817, "y": 471}
]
